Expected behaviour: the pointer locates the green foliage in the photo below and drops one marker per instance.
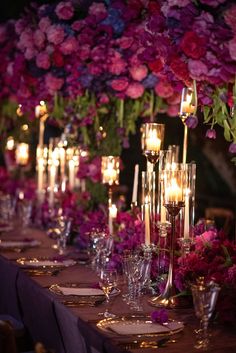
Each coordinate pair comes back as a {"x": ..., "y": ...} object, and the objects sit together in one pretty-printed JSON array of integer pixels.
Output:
[{"x": 98, "y": 192}]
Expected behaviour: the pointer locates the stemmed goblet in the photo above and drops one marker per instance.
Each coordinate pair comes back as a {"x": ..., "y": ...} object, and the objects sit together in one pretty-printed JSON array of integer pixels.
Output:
[
  {"x": 204, "y": 299},
  {"x": 108, "y": 281}
]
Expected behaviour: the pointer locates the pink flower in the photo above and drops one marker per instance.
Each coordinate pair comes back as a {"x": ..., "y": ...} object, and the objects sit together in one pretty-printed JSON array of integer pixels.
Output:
[
  {"x": 44, "y": 24},
  {"x": 120, "y": 84},
  {"x": 39, "y": 38},
  {"x": 30, "y": 53},
  {"x": 26, "y": 38},
  {"x": 211, "y": 134},
  {"x": 197, "y": 69},
  {"x": 230, "y": 17},
  {"x": 232, "y": 48},
  {"x": 98, "y": 10},
  {"x": 117, "y": 66},
  {"x": 84, "y": 52},
  {"x": 138, "y": 73},
  {"x": 64, "y": 10},
  {"x": 78, "y": 25},
  {"x": 69, "y": 46},
  {"x": 20, "y": 25},
  {"x": 55, "y": 34},
  {"x": 125, "y": 42},
  {"x": 164, "y": 89},
  {"x": 53, "y": 83},
  {"x": 43, "y": 60},
  {"x": 135, "y": 90}
]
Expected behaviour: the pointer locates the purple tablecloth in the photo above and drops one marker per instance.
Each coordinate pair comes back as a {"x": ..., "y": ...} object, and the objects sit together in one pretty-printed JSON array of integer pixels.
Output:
[{"x": 73, "y": 329}]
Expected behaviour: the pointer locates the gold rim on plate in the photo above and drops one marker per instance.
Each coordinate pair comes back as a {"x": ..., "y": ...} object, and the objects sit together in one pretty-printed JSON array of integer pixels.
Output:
[{"x": 105, "y": 325}]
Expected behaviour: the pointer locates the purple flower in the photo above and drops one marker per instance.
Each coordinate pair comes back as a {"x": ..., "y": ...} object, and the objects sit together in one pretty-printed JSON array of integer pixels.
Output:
[
  {"x": 191, "y": 121},
  {"x": 232, "y": 147},
  {"x": 211, "y": 134},
  {"x": 159, "y": 316}
]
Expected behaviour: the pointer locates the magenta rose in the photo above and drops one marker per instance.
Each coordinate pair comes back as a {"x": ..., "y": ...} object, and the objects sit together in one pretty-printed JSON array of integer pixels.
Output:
[
  {"x": 43, "y": 61},
  {"x": 30, "y": 53},
  {"x": 125, "y": 42},
  {"x": 20, "y": 25},
  {"x": 135, "y": 90},
  {"x": 193, "y": 45},
  {"x": 138, "y": 73},
  {"x": 55, "y": 34},
  {"x": 120, "y": 84},
  {"x": 64, "y": 10},
  {"x": 117, "y": 66},
  {"x": 98, "y": 10},
  {"x": 164, "y": 89},
  {"x": 26, "y": 38},
  {"x": 230, "y": 17},
  {"x": 44, "y": 24},
  {"x": 69, "y": 46},
  {"x": 39, "y": 38},
  {"x": 53, "y": 83}
]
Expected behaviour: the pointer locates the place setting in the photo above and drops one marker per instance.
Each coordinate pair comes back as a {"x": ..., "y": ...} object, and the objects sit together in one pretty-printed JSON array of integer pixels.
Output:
[
  {"x": 89, "y": 294},
  {"x": 18, "y": 245},
  {"x": 44, "y": 266}
]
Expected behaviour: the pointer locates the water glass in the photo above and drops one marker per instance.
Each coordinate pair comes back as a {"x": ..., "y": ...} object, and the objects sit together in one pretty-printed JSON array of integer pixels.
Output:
[
  {"x": 108, "y": 281},
  {"x": 64, "y": 226},
  {"x": 25, "y": 213},
  {"x": 204, "y": 299}
]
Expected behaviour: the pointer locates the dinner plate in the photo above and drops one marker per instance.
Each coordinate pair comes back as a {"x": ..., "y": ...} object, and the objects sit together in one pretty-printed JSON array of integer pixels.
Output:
[
  {"x": 45, "y": 263},
  {"x": 139, "y": 326},
  {"x": 80, "y": 290},
  {"x": 17, "y": 244}
]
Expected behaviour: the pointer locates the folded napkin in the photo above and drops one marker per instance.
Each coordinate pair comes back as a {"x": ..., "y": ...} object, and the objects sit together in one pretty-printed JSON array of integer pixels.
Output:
[
  {"x": 80, "y": 291},
  {"x": 136, "y": 328},
  {"x": 15, "y": 244}
]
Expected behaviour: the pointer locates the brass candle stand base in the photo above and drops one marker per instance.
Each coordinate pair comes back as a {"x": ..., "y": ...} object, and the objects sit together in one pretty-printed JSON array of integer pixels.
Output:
[{"x": 168, "y": 298}]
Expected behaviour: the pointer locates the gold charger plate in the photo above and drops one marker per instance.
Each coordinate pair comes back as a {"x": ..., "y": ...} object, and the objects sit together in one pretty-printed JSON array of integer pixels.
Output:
[{"x": 129, "y": 324}]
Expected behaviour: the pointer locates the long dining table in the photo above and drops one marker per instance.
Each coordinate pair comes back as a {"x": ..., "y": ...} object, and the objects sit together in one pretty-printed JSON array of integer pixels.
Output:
[{"x": 73, "y": 329}]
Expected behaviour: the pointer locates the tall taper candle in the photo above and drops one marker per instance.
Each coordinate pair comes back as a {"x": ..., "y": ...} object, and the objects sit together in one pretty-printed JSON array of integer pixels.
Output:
[{"x": 135, "y": 185}]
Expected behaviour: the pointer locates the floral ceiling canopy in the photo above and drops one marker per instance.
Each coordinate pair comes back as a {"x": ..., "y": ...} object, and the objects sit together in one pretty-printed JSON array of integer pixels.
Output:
[{"x": 136, "y": 55}]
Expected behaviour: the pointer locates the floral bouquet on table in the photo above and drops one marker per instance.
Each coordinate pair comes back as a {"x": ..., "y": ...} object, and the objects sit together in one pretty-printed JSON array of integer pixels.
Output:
[{"x": 214, "y": 258}]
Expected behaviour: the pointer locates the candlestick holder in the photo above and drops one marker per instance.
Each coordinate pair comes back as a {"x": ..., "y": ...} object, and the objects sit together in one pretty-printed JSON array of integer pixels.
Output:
[
  {"x": 110, "y": 170},
  {"x": 152, "y": 140},
  {"x": 146, "y": 265},
  {"x": 188, "y": 106},
  {"x": 168, "y": 297}
]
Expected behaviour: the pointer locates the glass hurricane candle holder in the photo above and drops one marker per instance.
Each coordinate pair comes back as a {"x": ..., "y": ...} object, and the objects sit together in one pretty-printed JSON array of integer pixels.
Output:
[
  {"x": 187, "y": 105},
  {"x": 22, "y": 154},
  {"x": 152, "y": 141},
  {"x": 110, "y": 170},
  {"x": 174, "y": 185}
]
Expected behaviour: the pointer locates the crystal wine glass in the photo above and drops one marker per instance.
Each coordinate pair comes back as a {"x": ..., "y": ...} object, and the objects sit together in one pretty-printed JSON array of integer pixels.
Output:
[
  {"x": 65, "y": 224},
  {"x": 108, "y": 281},
  {"x": 204, "y": 299}
]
